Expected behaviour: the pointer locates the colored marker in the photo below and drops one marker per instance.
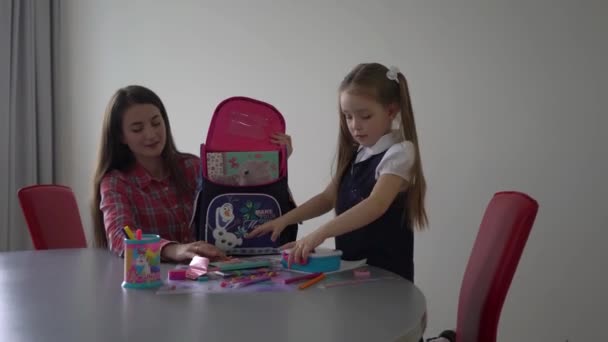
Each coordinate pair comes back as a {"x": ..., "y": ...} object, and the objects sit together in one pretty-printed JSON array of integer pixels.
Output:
[
  {"x": 250, "y": 282},
  {"x": 246, "y": 278},
  {"x": 138, "y": 233},
  {"x": 129, "y": 233},
  {"x": 311, "y": 282},
  {"x": 177, "y": 274},
  {"x": 300, "y": 278}
]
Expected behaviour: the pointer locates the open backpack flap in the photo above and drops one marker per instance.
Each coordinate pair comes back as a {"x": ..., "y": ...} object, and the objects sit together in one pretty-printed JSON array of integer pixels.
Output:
[
  {"x": 244, "y": 178},
  {"x": 242, "y": 124}
]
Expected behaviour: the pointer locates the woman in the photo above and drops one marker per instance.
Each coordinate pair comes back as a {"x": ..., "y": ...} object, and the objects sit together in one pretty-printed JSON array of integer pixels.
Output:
[{"x": 143, "y": 181}]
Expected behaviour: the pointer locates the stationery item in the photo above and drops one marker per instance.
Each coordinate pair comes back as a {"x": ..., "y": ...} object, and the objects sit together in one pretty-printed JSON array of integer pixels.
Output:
[
  {"x": 250, "y": 282},
  {"x": 198, "y": 267},
  {"x": 240, "y": 264},
  {"x": 241, "y": 279},
  {"x": 207, "y": 284},
  {"x": 138, "y": 234},
  {"x": 246, "y": 272},
  {"x": 177, "y": 274},
  {"x": 361, "y": 273},
  {"x": 311, "y": 282},
  {"x": 301, "y": 278},
  {"x": 142, "y": 262},
  {"x": 199, "y": 261},
  {"x": 321, "y": 260},
  {"x": 352, "y": 282},
  {"x": 129, "y": 233}
]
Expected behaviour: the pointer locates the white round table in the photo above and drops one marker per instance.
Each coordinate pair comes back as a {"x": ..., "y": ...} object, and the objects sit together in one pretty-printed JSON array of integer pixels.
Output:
[{"x": 76, "y": 295}]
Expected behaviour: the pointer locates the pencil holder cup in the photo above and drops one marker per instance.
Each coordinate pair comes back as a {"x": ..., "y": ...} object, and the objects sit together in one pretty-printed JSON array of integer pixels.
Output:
[{"x": 142, "y": 262}]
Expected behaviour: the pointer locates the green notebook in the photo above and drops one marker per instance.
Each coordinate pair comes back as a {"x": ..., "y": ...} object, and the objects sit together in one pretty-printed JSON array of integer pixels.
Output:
[{"x": 240, "y": 264}]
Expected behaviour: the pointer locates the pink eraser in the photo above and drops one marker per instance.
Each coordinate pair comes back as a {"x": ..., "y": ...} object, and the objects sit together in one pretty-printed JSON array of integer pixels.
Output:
[
  {"x": 177, "y": 274},
  {"x": 200, "y": 262},
  {"x": 361, "y": 273}
]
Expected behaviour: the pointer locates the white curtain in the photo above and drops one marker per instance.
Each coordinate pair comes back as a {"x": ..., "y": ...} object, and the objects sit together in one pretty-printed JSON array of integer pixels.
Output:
[{"x": 27, "y": 33}]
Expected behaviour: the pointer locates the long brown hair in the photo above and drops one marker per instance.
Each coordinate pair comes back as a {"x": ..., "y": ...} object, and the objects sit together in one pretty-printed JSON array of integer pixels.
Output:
[
  {"x": 372, "y": 79},
  {"x": 114, "y": 155}
]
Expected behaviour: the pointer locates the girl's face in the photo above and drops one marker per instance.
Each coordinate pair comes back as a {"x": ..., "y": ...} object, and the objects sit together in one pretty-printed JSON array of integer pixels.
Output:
[
  {"x": 143, "y": 130},
  {"x": 367, "y": 120}
]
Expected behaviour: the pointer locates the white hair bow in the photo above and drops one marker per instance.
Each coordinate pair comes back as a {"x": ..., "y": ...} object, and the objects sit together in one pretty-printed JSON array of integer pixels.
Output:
[{"x": 393, "y": 74}]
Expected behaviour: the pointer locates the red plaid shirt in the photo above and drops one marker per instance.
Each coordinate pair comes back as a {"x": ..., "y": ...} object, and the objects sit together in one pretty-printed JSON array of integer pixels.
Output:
[{"x": 135, "y": 199}]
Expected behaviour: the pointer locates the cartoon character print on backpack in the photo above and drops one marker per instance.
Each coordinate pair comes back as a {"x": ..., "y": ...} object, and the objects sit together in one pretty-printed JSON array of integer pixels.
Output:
[
  {"x": 231, "y": 216},
  {"x": 225, "y": 240}
]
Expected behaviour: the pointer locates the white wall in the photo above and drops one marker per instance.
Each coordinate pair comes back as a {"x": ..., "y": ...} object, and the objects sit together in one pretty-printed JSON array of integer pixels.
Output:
[{"x": 508, "y": 95}]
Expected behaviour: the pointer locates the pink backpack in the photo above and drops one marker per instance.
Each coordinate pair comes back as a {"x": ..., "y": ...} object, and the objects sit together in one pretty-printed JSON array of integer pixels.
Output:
[{"x": 244, "y": 178}]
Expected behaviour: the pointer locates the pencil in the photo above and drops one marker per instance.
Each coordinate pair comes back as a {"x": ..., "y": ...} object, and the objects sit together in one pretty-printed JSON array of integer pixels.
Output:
[
  {"x": 129, "y": 233},
  {"x": 300, "y": 278},
  {"x": 311, "y": 282},
  {"x": 252, "y": 281}
]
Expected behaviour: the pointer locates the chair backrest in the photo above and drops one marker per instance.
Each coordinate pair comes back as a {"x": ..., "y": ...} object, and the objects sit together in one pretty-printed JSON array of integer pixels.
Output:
[
  {"x": 500, "y": 241},
  {"x": 52, "y": 216}
]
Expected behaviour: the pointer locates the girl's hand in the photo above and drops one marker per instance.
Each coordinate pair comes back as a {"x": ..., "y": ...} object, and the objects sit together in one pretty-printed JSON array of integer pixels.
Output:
[
  {"x": 301, "y": 249},
  {"x": 283, "y": 139},
  {"x": 184, "y": 252},
  {"x": 275, "y": 227}
]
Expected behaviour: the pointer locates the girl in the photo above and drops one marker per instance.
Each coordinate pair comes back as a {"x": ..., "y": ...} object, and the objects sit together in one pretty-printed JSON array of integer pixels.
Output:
[
  {"x": 143, "y": 181},
  {"x": 378, "y": 188}
]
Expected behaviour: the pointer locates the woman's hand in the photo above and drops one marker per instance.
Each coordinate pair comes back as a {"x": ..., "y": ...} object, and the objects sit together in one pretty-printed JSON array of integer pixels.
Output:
[
  {"x": 185, "y": 252},
  {"x": 283, "y": 139}
]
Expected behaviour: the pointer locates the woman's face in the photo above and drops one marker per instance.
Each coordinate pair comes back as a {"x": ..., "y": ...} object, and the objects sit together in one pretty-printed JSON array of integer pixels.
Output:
[{"x": 143, "y": 130}]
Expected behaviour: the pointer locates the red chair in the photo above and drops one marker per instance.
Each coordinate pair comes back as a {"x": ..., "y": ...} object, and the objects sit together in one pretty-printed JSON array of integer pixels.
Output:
[
  {"x": 52, "y": 216},
  {"x": 500, "y": 242}
]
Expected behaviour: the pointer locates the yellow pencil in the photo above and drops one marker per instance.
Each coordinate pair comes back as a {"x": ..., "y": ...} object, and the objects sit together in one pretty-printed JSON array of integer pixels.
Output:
[
  {"x": 129, "y": 233},
  {"x": 312, "y": 281}
]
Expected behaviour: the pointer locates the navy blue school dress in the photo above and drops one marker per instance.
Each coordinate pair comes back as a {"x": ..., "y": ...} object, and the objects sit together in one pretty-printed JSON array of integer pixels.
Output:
[{"x": 387, "y": 242}]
